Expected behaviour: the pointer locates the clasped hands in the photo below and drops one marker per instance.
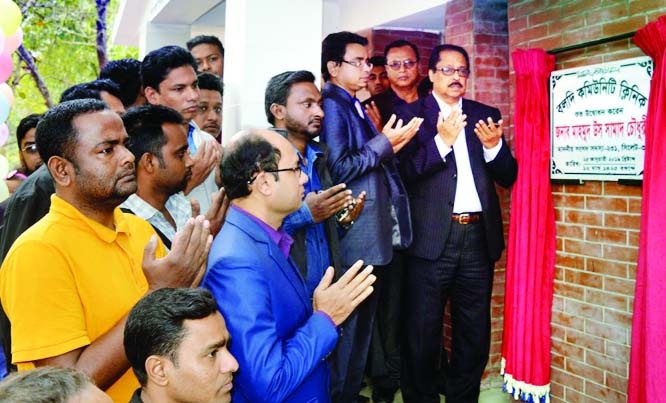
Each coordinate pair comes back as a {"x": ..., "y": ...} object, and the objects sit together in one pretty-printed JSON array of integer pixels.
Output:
[{"x": 489, "y": 133}]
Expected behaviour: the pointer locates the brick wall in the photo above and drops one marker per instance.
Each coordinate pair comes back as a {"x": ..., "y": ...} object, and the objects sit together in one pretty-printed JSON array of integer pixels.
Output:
[{"x": 597, "y": 222}]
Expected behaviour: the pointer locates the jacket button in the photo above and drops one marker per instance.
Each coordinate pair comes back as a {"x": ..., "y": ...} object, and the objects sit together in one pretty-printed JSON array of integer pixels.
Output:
[
  {"x": 454, "y": 176},
  {"x": 451, "y": 203}
]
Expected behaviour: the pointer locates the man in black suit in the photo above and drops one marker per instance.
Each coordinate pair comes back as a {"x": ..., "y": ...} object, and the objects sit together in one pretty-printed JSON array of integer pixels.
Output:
[{"x": 450, "y": 169}]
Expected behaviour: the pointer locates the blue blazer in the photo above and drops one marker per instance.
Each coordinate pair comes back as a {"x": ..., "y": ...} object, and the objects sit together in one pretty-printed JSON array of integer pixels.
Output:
[
  {"x": 363, "y": 159},
  {"x": 279, "y": 343},
  {"x": 431, "y": 181}
]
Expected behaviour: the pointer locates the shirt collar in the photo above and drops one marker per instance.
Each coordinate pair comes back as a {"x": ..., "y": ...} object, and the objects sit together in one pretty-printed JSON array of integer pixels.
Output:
[
  {"x": 444, "y": 107},
  {"x": 60, "y": 206},
  {"x": 279, "y": 236}
]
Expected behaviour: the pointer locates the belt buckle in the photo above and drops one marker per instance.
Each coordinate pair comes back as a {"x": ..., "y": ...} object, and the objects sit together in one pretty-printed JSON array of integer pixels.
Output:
[{"x": 463, "y": 218}]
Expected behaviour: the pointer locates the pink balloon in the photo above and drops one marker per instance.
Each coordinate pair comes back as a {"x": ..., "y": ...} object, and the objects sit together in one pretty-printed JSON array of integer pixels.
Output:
[
  {"x": 7, "y": 91},
  {"x": 4, "y": 134},
  {"x": 6, "y": 66},
  {"x": 14, "y": 41},
  {"x": 2, "y": 41}
]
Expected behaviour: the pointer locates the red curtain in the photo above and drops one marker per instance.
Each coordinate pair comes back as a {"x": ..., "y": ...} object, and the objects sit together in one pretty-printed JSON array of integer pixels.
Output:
[
  {"x": 531, "y": 249},
  {"x": 648, "y": 337}
]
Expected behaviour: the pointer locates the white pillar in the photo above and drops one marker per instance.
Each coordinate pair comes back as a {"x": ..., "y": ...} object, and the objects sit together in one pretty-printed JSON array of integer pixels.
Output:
[{"x": 262, "y": 39}]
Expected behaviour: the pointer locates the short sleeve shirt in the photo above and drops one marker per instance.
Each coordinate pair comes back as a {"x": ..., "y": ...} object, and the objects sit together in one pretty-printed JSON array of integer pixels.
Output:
[{"x": 68, "y": 280}]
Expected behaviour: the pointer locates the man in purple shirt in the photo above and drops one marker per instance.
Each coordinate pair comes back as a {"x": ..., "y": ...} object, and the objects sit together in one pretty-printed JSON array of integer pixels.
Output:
[{"x": 281, "y": 336}]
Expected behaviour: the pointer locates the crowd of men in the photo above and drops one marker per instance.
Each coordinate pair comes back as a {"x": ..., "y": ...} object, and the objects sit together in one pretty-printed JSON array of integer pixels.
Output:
[{"x": 141, "y": 258}]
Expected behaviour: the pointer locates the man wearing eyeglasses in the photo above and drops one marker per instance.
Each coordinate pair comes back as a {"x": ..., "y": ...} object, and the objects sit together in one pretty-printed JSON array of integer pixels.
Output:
[
  {"x": 450, "y": 169},
  {"x": 363, "y": 158},
  {"x": 402, "y": 68}
]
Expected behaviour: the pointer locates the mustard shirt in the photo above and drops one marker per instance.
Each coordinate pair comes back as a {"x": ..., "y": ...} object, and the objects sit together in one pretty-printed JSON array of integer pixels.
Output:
[{"x": 68, "y": 280}]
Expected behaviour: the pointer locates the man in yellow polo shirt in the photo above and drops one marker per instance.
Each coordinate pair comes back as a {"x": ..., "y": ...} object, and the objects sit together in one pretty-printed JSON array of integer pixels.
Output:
[{"x": 69, "y": 281}]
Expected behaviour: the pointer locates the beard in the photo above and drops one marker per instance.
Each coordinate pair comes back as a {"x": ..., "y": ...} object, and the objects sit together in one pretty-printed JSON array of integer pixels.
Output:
[{"x": 307, "y": 130}]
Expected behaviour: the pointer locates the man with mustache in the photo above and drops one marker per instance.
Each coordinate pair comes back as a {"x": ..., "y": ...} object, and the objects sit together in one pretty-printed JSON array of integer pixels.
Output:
[
  {"x": 178, "y": 344},
  {"x": 293, "y": 106},
  {"x": 209, "y": 114},
  {"x": 451, "y": 168},
  {"x": 69, "y": 281}
]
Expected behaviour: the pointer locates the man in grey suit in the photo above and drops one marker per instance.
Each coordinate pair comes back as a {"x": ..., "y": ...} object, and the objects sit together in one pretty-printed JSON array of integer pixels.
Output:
[
  {"x": 362, "y": 158},
  {"x": 451, "y": 168}
]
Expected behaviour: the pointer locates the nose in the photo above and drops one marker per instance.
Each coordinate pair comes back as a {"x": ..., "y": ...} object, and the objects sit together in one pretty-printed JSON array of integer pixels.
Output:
[
  {"x": 205, "y": 66},
  {"x": 318, "y": 111},
  {"x": 228, "y": 362},
  {"x": 193, "y": 94},
  {"x": 188, "y": 160},
  {"x": 303, "y": 179},
  {"x": 126, "y": 156}
]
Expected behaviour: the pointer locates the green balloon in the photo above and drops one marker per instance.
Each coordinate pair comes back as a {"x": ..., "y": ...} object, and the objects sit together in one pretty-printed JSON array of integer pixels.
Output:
[{"x": 10, "y": 17}]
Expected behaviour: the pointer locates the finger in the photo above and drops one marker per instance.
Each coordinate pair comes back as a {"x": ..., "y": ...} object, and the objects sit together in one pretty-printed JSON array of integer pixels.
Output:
[
  {"x": 360, "y": 287},
  {"x": 196, "y": 207},
  {"x": 182, "y": 238},
  {"x": 390, "y": 122},
  {"x": 194, "y": 242},
  {"x": 326, "y": 280},
  {"x": 359, "y": 278},
  {"x": 149, "y": 250},
  {"x": 350, "y": 273},
  {"x": 340, "y": 196},
  {"x": 333, "y": 190},
  {"x": 365, "y": 294}
]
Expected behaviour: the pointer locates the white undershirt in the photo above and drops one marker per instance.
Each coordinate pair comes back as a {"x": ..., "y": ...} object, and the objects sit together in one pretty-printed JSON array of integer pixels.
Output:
[{"x": 467, "y": 199}]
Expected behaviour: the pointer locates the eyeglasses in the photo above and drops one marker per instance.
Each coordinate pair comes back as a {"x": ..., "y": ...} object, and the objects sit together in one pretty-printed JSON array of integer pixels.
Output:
[
  {"x": 359, "y": 63},
  {"x": 297, "y": 170},
  {"x": 395, "y": 65},
  {"x": 449, "y": 71},
  {"x": 30, "y": 149}
]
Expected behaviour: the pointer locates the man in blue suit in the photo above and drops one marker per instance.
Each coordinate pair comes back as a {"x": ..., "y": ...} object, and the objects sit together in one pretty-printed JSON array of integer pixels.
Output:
[
  {"x": 364, "y": 159},
  {"x": 279, "y": 336},
  {"x": 451, "y": 168}
]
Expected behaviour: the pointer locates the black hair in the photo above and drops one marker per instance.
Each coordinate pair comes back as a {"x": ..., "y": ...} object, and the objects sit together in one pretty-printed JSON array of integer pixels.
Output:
[
  {"x": 155, "y": 324},
  {"x": 211, "y": 82},
  {"x": 55, "y": 134},
  {"x": 208, "y": 39},
  {"x": 400, "y": 43},
  {"x": 334, "y": 47},
  {"x": 434, "y": 56},
  {"x": 127, "y": 74},
  {"x": 91, "y": 89},
  {"x": 144, "y": 129},
  {"x": 157, "y": 64},
  {"x": 247, "y": 156},
  {"x": 27, "y": 123},
  {"x": 43, "y": 385},
  {"x": 378, "y": 61},
  {"x": 279, "y": 86}
]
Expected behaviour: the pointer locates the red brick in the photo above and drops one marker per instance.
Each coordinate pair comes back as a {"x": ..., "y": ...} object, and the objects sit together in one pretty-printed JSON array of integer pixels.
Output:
[
  {"x": 548, "y": 43},
  {"x": 457, "y": 5},
  {"x": 528, "y": 34},
  {"x": 631, "y": 270},
  {"x": 568, "y": 350},
  {"x": 624, "y": 25},
  {"x": 624, "y": 253},
  {"x": 558, "y": 303},
  {"x": 616, "y": 318},
  {"x": 583, "y": 278},
  {"x": 606, "y": 14},
  {"x": 634, "y": 52},
  {"x": 580, "y": 63},
  {"x": 566, "y": 24},
  {"x": 585, "y": 371},
  {"x": 618, "y": 204},
  {"x": 582, "y": 248},
  {"x": 529, "y": 7},
  {"x": 518, "y": 23},
  {"x": 606, "y": 394},
  {"x": 606, "y": 300},
  {"x": 568, "y": 321},
  {"x": 574, "y": 7},
  {"x": 556, "y": 389},
  {"x": 574, "y": 396},
  {"x": 582, "y": 309},
  {"x": 619, "y": 220},
  {"x": 547, "y": 15},
  {"x": 617, "y": 334},
  {"x": 615, "y": 189},
  {"x": 619, "y": 285},
  {"x": 617, "y": 269},
  {"x": 634, "y": 238},
  {"x": 566, "y": 378},
  {"x": 590, "y": 188},
  {"x": 618, "y": 351},
  {"x": 556, "y": 360},
  {"x": 635, "y": 206},
  {"x": 557, "y": 332},
  {"x": 571, "y": 261},
  {"x": 581, "y": 35},
  {"x": 615, "y": 236},
  {"x": 569, "y": 231},
  {"x": 641, "y": 6},
  {"x": 568, "y": 200},
  {"x": 618, "y": 383}
]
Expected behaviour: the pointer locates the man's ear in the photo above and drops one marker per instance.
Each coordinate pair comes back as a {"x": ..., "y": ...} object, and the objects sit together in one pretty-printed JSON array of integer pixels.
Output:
[
  {"x": 148, "y": 163},
  {"x": 262, "y": 185},
  {"x": 156, "y": 370},
  {"x": 278, "y": 111},
  {"x": 333, "y": 68},
  {"x": 61, "y": 170},
  {"x": 152, "y": 95}
]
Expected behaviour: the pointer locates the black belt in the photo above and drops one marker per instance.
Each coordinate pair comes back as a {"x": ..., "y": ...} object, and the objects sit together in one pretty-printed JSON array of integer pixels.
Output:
[{"x": 466, "y": 218}]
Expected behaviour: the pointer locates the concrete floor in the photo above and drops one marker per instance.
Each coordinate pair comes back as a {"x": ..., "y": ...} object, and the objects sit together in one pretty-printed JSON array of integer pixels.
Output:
[{"x": 487, "y": 396}]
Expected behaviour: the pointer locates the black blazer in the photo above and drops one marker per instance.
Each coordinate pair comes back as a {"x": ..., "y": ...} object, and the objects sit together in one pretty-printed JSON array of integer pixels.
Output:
[{"x": 431, "y": 181}]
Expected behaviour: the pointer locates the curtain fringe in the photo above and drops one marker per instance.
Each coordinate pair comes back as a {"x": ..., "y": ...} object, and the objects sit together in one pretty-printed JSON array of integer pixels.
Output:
[{"x": 524, "y": 391}]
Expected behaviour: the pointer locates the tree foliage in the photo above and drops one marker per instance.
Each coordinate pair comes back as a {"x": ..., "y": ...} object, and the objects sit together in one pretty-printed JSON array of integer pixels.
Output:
[{"x": 62, "y": 37}]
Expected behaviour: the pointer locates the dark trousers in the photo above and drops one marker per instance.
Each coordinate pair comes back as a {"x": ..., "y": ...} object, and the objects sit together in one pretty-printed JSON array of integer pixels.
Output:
[
  {"x": 463, "y": 273},
  {"x": 348, "y": 360},
  {"x": 384, "y": 356}
]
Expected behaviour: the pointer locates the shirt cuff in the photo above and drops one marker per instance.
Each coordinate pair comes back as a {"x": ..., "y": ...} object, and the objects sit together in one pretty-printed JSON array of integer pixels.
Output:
[
  {"x": 443, "y": 149},
  {"x": 489, "y": 154},
  {"x": 327, "y": 317}
]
